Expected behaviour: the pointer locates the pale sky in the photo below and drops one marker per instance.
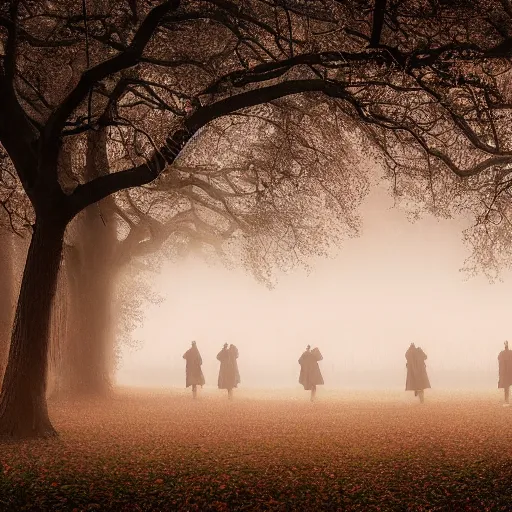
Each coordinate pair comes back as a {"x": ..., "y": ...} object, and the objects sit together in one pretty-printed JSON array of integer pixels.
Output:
[{"x": 395, "y": 284}]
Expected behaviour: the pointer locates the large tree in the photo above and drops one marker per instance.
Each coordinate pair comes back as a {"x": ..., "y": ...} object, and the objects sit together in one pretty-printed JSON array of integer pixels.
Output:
[
  {"x": 220, "y": 212},
  {"x": 394, "y": 67}
]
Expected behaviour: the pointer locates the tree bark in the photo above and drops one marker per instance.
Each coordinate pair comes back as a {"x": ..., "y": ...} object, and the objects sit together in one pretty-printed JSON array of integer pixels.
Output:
[
  {"x": 6, "y": 296},
  {"x": 23, "y": 407},
  {"x": 87, "y": 359},
  {"x": 58, "y": 332}
]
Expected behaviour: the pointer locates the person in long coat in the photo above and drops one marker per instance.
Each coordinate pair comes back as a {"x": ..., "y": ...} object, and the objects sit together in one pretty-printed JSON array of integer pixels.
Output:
[
  {"x": 310, "y": 375},
  {"x": 417, "y": 378},
  {"x": 228, "y": 372},
  {"x": 505, "y": 372},
  {"x": 194, "y": 374}
]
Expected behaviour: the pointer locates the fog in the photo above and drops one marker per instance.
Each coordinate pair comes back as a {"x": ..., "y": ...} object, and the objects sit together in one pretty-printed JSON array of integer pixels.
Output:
[{"x": 398, "y": 283}]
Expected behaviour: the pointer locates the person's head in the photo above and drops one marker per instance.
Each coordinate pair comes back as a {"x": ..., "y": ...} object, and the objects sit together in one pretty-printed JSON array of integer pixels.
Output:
[
  {"x": 225, "y": 346},
  {"x": 413, "y": 345},
  {"x": 193, "y": 344},
  {"x": 506, "y": 345},
  {"x": 308, "y": 348}
]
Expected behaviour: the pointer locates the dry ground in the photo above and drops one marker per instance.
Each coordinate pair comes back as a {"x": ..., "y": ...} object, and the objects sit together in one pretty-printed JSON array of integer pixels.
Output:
[{"x": 162, "y": 451}]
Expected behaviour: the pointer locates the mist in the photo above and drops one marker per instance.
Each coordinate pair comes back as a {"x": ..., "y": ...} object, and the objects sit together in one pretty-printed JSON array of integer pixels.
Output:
[{"x": 399, "y": 282}]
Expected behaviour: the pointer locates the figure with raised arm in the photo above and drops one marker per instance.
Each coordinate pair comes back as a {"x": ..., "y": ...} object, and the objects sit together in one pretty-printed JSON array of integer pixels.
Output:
[
  {"x": 310, "y": 375},
  {"x": 194, "y": 374},
  {"x": 229, "y": 378},
  {"x": 505, "y": 372},
  {"x": 417, "y": 378}
]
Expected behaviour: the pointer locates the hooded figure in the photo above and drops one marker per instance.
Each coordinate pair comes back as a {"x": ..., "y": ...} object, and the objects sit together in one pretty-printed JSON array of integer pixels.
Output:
[
  {"x": 310, "y": 376},
  {"x": 193, "y": 372},
  {"x": 505, "y": 371},
  {"x": 417, "y": 378},
  {"x": 229, "y": 377}
]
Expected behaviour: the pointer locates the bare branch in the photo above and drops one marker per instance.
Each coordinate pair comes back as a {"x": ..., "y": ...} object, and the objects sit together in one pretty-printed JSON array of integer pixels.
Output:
[{"x": 126, "y": 59}]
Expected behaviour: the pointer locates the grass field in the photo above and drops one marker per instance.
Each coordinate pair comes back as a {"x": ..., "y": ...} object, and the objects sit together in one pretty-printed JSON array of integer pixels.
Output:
[{"x": 144, "y": 450}]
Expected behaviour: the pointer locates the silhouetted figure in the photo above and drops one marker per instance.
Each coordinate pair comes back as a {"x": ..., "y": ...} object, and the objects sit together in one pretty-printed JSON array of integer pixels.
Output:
[
  {"x": 417, "y": 378},
  {"x": 505, "y": 372},
  {"x": 310, "y": 376},
  {"x": 194, "y": 374},
  {"x": 229, "y": 378}
]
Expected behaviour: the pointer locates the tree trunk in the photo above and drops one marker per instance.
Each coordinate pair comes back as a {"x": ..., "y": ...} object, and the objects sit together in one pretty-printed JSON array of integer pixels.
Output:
[
  {"x": 58, "y": 333},
  {"x": 87, "y": 359},
  {"x": 87, "y": 362},
  {"x": 6, "y": 296},
  {"x": 23, "y": 407}
]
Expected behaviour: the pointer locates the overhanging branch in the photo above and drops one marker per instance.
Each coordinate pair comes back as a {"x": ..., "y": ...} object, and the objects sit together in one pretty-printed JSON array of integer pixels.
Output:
[
  {"x": 124, "y": 60},
  {"x": 103, "y": 186}
]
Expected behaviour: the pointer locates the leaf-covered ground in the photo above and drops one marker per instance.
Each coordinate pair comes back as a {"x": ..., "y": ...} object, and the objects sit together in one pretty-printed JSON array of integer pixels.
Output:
[{"x": 163, "y": 451}]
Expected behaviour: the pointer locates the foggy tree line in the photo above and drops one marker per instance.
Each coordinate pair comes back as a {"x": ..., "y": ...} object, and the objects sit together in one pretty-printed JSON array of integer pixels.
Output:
[{"x": 228, "y": 124}]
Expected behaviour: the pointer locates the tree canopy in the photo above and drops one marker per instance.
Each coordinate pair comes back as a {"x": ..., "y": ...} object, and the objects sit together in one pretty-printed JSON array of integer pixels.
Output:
[{"x": 426, "y": 78}]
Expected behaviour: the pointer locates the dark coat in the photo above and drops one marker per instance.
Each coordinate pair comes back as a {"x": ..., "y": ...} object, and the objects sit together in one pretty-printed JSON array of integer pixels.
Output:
[
  {"x": 194, "y": 374},
  {"x": 310, "y": 374},
  {"x": 229, "y": 377},
  {"x": 417, "y": 378},
  {"x": 505, "y": 369}
]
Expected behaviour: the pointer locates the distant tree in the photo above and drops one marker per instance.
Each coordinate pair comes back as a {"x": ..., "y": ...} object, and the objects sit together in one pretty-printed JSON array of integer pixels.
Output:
[{"x": 219, "y": 212}]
